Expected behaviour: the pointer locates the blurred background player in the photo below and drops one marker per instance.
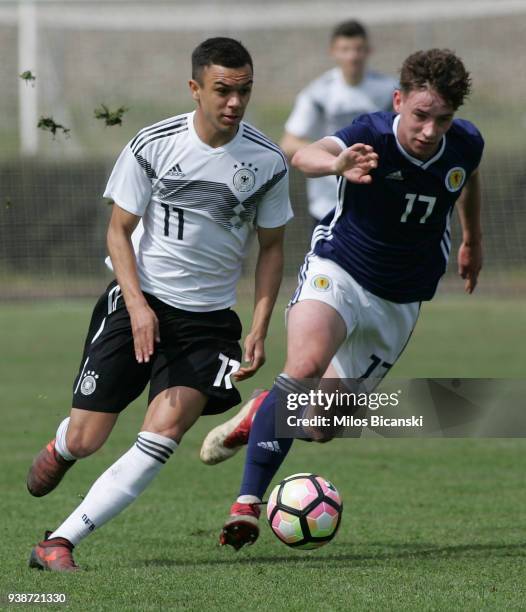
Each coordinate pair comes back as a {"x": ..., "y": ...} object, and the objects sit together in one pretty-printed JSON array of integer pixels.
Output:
[
  {"x": 202, "y": 182},
  {"x": 372, "y": 263},
  {"x": 332, "y": 101}
]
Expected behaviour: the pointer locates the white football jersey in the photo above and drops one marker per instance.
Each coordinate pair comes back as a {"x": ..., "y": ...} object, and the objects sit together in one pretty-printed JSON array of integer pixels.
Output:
[
  {"x": 327, "y": 105},
  {"x": 199, "y": 207}
]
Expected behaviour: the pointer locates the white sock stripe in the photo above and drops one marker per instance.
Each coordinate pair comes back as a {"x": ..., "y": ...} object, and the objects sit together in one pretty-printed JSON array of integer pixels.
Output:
[
  {"x": 151, "y": 447},
  {"x": 147, "y": 452},
  {"x": 164, "y": 447},
  {"x": 146, "y": 444}
]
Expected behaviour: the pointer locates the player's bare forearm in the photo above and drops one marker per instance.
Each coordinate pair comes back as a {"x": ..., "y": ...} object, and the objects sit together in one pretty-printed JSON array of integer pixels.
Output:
[
  {"x": 470, "y": 251},
  {"x": 468, "y": 207},
  {"x": 269, "y": 272},
  {"x": 144, "y": 322},
  {"x": 290, "y": 144},
  {"x": 325, "y": 157},
  {"x": 318, "y": 158},
  {"x": 120, "y": 248}
]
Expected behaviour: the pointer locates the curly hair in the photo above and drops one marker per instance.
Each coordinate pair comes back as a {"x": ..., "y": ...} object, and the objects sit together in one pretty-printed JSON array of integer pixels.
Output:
[{"x": 439, "y": 69}]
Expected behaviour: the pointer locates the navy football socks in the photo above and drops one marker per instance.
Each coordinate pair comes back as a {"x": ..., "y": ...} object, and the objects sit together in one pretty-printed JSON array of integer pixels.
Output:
[{"x": 265, "y": 452}]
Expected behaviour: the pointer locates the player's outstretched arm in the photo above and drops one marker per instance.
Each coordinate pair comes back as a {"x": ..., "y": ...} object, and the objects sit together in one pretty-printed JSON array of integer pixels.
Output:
[
  {"x": 470, "y": 251},
  {"x": 290, "y": 144},
  {"x": 269, "y": 271},
  {"x": 145, "y": 326},
  {"x": 325, "y": 157}
]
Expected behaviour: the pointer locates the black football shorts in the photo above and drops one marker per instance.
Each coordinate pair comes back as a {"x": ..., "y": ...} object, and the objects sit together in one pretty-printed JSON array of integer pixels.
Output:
[{"x": 198, "y": 349}]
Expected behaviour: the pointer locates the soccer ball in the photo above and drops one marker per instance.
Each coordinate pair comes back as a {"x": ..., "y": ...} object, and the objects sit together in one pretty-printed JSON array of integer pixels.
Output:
[{"x": 304, "y": 511}]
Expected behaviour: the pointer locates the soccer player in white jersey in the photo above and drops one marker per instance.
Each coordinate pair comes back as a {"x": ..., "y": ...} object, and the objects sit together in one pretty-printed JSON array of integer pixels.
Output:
[
  {"x": 332, "y": 101},
  {"x": 201, "y": 182}
]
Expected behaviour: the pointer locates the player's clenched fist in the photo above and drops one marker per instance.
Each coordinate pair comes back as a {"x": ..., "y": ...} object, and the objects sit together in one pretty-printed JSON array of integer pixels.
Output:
[{"x": 356, "y": 162}]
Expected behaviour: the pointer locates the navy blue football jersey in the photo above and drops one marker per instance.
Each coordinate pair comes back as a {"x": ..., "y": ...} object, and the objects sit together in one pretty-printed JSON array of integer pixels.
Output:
[{"x": 393, "y": 236}]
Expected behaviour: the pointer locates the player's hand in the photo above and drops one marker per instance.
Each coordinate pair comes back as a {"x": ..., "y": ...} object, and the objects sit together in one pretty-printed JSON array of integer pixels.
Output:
[
  {"x": 254, "y": 356},
  {"x": 470, "y": 264},
  {"x": 355, "y": 163},
  {"x": 145, "y": 329}
]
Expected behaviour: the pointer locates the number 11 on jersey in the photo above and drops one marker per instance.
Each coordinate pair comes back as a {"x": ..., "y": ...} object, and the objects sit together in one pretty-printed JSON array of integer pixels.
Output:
[{"x": 180, "y": 217}]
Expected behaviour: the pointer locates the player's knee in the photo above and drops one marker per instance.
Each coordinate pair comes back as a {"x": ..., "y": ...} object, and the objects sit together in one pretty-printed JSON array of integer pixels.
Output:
[
  {"x": 304, "y": 367},
  {"x": 174, "y": 429}
]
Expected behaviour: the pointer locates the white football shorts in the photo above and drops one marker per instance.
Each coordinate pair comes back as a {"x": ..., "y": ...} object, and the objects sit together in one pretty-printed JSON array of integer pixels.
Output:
[{"x": 377, "y": 329}]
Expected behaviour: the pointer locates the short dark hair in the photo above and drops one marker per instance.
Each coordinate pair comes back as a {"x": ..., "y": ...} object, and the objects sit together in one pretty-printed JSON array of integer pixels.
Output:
[
  {"x": 440, "y": 69},
  {"x": 220, "y": 51},
  {"x": 350, "y": 29}
]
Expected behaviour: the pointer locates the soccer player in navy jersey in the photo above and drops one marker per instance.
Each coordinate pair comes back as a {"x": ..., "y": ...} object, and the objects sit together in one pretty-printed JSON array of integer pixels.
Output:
[{"x": 373, "y": 261}]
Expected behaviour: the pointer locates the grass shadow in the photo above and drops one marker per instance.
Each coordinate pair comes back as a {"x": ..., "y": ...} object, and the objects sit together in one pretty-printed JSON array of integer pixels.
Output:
[{"x": 388, "y": 552}]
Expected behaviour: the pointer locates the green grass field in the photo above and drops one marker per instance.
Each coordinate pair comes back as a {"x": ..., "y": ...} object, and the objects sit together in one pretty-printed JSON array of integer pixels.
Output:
[{"x": 428, "y": 524}]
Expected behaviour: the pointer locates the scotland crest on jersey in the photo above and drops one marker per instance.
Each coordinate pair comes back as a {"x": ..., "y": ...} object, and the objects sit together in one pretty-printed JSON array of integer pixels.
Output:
[{"x": 455, "y": 179}]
